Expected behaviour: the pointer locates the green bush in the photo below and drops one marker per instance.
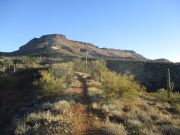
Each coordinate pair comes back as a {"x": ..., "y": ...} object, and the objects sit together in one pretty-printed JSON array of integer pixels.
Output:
[
  {"x": 63, "y": 70},
  {"x": 114, "y": 85},
  {"x": 79, "y": 65},
  {"x": 161, "y": 95},
  {"x": 117, "y": 85},
  {"x": 97, "y": 68},
  {"x": 56, "y": 80},
  {"x": 26, "y": 66},
  {"x": 50, "y": 85},
  {"x": 23, "y": 62}
]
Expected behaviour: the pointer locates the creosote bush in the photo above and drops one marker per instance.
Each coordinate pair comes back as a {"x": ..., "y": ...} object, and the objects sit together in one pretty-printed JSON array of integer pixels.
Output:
[
  {"x": 49, "y": 84},
  {"x": 97, "y": 69},
  {"x": 161, "y": 95},
  {"x": 56, "y": 80},
  {"x": 79, "y": 66},
  {"x": 63, "y": 70},
  {"x": 115, "y": 85}
]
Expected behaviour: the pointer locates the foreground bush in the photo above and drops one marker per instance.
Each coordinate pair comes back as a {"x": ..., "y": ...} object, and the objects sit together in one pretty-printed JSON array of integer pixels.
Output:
[
  {"x": 63, "y": 70},
  {"x": 114, "y": 85},
  {"x": 50, "y": 85},
  {"x": 117, "y": 85},
  {"x": 114, "y": 129},
  {"x": 97, "y": 69},
  {"x": 54, "y": 81},
  {"x": 52, "y": 119}
]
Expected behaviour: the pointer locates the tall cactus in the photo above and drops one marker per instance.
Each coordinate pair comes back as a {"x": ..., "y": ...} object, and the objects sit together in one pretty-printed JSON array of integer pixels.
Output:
[
  {"x": 14, "y": 67},
  {"x": 170, "y": 85}
]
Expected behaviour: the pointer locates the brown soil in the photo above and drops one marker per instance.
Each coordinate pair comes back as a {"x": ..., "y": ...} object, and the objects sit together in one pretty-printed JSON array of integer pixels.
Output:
[{"x": 86, "y": 123}]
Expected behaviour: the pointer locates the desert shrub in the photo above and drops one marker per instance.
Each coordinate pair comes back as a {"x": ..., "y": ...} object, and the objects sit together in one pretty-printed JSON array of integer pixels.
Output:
[
  {"x": 63, "y": 70},
  {"x": 137, "y": 128},
  {"x": 79, "y": 65},
  {"x": 49, "y": 84},
  {"x": 94, "y": 84},
  {"x": 61, "y": 105},
  {"x": 22, "y": 129},
  {"x": 134, "y": 129},
  {"x": 114, "y": 85},
  {"x": 6, "y": 64},
  {"x": 94, "y": 93},
  {"x": 117, "y": 85},
  {"x": 97, "y": 68},
  {"x": 161, "y": 95},
  {"x": 22, "y": 62},
  {"x": 28, "y": 60},
  {"x": 50, "y": 118},
  {"x": 45, "y": 123},
  {"x": 6, "y": 61},
  {"x": 176, "y": 108},
  {"x": 33, "y": 65},
  {"x": 93, "y": 67},
  {"x": 20, "y": 66},
  {"x": 56, "y": 80},
  {"x": 115, "y": 129}
]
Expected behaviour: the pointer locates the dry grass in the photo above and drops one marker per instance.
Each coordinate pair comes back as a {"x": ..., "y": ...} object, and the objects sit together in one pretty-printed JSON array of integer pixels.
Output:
[
  {"x": 141, "y": 116},
  {"x": 114, "y": 129},
  {"x": 136, "y": 115},
  {"x": 55, "y": 118}
]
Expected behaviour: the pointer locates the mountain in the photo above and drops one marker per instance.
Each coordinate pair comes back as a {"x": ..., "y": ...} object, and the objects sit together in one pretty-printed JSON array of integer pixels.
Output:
[
  {"x": 162, "y": 60},
  {"x": 58, "y": 45}
]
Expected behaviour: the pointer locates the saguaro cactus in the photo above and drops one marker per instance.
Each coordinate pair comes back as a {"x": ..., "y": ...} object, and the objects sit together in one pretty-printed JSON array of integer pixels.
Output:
[
  {"x": 170, "y": 85},
  {"x": 14, "y": 68}
]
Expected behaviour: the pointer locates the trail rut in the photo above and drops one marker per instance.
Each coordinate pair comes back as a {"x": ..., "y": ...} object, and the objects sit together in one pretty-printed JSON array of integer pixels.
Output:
[{"x": 86, "y": 123}]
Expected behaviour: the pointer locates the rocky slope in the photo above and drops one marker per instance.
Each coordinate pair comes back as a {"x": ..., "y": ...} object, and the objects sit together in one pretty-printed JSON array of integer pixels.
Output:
[{"x": 59, "y": 45}]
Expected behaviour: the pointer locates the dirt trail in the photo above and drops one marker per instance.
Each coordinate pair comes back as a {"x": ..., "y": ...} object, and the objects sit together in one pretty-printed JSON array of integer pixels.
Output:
[{"x": 85, "y": 122}]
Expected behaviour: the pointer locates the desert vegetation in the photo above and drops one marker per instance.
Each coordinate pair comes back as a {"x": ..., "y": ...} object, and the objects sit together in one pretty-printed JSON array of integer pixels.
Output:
[
  {"x": 56, "y": 79},
  {"x": 50, "y": 118},
  {"x": 38, "y": 97}
]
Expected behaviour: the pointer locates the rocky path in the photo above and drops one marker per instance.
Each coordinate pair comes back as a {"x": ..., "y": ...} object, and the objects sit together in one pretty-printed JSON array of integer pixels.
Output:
[{"x": 86, "y": 123}]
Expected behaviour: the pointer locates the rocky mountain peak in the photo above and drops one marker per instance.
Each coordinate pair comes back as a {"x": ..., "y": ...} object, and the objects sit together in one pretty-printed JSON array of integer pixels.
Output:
[
  {"x": 50, "y": 36},
  {"x": 58, "y": 45}
]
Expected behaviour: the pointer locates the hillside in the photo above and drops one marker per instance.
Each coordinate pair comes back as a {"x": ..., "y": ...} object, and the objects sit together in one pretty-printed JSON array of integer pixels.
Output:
[
  {"x": 60, "y": 99},
  {"x": 59, "y": 45},
  {"x": 162, "y": 60}
]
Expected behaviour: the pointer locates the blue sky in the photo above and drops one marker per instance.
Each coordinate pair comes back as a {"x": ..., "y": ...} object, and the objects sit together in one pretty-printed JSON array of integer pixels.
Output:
[{"x": 150, "y": 27}]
